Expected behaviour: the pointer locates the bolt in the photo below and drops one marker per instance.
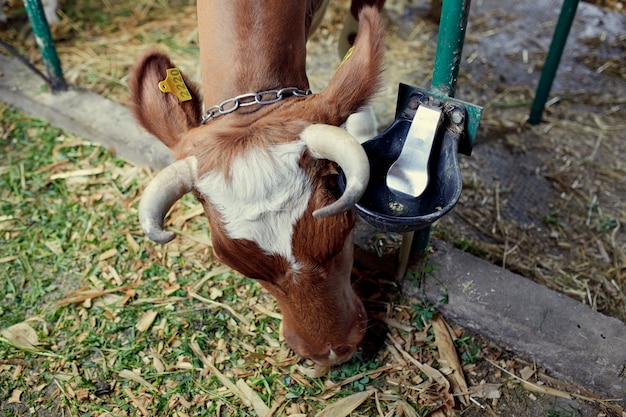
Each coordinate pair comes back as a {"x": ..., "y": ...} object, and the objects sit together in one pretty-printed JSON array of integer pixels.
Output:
[{"x": 457, "y": 116}]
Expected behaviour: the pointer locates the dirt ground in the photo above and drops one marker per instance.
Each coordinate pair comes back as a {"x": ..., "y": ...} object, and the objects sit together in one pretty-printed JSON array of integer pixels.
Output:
[{"x": 548, "y": 201}]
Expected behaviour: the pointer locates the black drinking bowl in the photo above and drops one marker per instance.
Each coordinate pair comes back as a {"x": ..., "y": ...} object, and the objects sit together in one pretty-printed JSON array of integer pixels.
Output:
[{"x": 392, "y": 212}]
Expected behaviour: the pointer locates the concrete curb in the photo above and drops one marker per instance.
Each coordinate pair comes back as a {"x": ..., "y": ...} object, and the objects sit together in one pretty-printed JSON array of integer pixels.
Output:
[
  {"x": 82, "y": 113},
  {"x": 575, "y": 343}
]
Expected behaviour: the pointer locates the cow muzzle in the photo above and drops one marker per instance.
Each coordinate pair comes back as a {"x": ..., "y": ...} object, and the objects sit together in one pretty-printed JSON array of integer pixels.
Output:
[{"x": 336, "y": 345}]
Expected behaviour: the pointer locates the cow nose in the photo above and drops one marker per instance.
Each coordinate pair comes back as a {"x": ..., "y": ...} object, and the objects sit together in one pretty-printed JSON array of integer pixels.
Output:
[
  {"x": 339, "y": 354},
  {"x": 333, "y": 355},
  {"x": 327, "y": 356}
]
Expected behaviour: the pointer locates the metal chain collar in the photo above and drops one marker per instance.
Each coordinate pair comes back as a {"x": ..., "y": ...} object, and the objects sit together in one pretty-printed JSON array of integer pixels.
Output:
[{"x": 250, "y": 99}]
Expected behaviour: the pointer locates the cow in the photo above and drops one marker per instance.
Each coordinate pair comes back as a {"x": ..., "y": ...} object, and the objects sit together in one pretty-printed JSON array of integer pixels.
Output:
[{"x": 262, "y": 159}]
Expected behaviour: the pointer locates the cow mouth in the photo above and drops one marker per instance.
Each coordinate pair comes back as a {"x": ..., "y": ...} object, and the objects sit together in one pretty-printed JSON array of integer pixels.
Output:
[{"x": 328, "y": 354}]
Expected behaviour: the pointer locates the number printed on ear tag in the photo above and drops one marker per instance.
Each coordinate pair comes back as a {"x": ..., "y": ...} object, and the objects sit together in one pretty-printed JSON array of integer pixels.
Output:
[{"x": 174, "y": 83}]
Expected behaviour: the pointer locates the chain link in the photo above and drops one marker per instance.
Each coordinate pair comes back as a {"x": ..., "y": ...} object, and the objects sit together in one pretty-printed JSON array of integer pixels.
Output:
[{"x": 250, "y": 99}]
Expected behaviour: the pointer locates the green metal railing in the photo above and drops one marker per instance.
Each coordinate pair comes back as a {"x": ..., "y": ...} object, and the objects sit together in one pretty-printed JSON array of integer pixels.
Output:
[
  {"x": 452, "y": 28},
  {"x": 43, "y": 38},
  {"x": 450, "y": 41},
  {"x": 561, "y": 32}
]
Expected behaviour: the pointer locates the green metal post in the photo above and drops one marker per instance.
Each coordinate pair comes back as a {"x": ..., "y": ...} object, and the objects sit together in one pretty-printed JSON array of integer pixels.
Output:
[
  {"x": 561, "y": 32},
  {"x": 43, "y": 37},
  {"x": 452, "y": 27}
]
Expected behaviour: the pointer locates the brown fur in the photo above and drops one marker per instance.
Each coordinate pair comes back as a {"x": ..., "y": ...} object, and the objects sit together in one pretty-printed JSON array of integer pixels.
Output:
[{"x": 320, "y": 310}]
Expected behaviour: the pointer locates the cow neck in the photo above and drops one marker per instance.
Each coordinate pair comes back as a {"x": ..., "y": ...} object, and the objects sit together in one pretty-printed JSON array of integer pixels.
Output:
[{"x": 247, "y": 47}]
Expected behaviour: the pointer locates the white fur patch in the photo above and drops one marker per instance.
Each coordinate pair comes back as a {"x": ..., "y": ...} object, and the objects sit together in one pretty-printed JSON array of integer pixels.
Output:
[{"x": 265, "y": 196}]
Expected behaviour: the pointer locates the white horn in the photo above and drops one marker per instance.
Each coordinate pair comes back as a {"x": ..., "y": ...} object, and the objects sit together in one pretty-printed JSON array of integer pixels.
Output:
[
  {"x": 164, "y": 190},
  {"x": 335, "y": 144}
]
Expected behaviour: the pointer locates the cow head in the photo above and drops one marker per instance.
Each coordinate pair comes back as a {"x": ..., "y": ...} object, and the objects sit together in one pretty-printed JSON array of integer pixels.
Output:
[{"x": 267, "y": 179}]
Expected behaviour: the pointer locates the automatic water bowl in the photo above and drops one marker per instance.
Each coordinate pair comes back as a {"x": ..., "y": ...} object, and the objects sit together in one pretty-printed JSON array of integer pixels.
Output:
[{"x": 414, "y": 171}]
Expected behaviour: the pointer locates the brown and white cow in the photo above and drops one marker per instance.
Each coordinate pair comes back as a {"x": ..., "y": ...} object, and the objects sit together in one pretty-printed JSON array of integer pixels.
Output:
[{"x": 266, "y": 173}]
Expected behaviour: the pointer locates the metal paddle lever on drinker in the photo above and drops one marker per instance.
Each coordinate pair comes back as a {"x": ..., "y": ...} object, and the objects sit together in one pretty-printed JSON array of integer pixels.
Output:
[
  {"x": 409, "y": 174},
  {"x": 414, "y": 171}
]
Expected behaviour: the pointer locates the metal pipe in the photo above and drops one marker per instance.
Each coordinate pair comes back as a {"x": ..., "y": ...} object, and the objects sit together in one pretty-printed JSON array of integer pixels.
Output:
[
  {"x": 404, "y": 255},
  {"x": 452, "y": 27},
  {"x": 450, "y": 41},
  {"x": 44, "y": 41},
  {"x": 561, "y": 32}
]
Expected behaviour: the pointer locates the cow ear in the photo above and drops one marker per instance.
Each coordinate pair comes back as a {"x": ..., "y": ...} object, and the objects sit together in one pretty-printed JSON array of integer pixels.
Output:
[{"x": 165, "y": 102}]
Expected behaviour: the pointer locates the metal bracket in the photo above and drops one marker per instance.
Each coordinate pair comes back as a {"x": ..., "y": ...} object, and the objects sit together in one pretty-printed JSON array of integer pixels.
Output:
[{"x": 474, "y": 112}]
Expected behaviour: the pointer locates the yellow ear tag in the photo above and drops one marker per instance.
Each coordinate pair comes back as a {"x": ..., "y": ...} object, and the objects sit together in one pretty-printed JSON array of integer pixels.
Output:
[
  {"x": 346, "y": 56},
  {"x": 174, "y": 83}
]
